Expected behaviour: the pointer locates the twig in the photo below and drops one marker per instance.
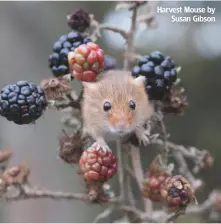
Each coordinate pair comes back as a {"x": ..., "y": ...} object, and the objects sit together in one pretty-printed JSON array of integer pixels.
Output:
[
  {"x": 115, "y": 29},
  {"x": 105, "y": 214},
  {"x": 27, "y": 192},
  {"x": 138, "y": 170},
  {"x": 136, "y": 163},
  {"x": 165, "y": 150},
  {"x": 120, "y": 168},
  {"x": 192, "y": 154},
  {"x": 205, "y": 206},
  {"x": 130, "y": 39}
]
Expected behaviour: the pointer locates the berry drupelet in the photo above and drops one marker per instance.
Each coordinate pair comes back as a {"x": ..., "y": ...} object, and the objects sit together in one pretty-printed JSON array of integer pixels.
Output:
[
  {"x": 22, "y": 103},
  {"x": 160, "y": 73},
  {"x": 58, "y": 60},
  {"x": 109, "y": 62}
]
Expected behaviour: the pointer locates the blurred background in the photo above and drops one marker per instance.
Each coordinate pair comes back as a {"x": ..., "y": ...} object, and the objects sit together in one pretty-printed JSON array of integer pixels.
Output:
[{"x": 28, "y": 31}]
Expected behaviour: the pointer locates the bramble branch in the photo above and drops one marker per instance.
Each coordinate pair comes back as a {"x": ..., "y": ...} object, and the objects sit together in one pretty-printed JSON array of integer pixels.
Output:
[{"x": 26, "y": 192}]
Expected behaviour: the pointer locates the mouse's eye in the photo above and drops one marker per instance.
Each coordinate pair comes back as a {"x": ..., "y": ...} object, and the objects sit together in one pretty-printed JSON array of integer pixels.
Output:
[
  {"x": 132, "y": 105},
  {"x": 107, "y": 106}
]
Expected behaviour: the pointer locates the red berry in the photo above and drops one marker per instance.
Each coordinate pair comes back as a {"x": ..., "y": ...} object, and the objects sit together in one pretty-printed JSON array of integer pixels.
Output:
[
  {"x": 88, "y": 76},
  {"x": 92, "y": 57},
  {"x": 86, "y": 61},
  {"x": 98, "y": 163}
]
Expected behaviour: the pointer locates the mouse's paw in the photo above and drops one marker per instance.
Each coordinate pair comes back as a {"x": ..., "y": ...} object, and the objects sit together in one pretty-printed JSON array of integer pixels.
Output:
[{"x": 143, "y": 136}]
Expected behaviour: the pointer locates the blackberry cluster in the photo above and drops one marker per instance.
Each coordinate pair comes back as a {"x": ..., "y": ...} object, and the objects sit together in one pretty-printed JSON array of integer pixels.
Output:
[
  {"x": 22, "y": 103},
  {"x": 58, "y": 60},
  {"x": 160, "y": 73}
]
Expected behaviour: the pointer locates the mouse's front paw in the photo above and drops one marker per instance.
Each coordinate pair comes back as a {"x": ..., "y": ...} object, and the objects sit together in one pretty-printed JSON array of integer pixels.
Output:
[{"x": 143, "y": 136}]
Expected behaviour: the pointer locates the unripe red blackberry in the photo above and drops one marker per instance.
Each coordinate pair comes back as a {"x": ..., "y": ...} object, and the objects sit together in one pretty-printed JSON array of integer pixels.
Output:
[
  {"x": 86, "y": 62},
  {"x": 98, "y": 163},
  {"x": 153, "y": 180},
  {"x": 160, "y": 73},
  {"x": 177, "y": 193}
]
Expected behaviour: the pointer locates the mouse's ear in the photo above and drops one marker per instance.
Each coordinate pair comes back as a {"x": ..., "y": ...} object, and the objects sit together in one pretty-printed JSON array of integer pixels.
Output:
[
  {"x": 89, "y": 85},
  {"x": 140, "y": 80}
]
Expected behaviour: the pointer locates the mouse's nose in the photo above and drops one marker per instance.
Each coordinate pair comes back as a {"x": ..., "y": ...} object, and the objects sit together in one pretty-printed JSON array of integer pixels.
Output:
[{"x": 121, "y": 126}]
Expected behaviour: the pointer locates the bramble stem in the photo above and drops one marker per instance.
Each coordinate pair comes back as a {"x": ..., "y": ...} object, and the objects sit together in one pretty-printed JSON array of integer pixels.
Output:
[
  {"x": 130, "y": 39},
  {"x": 115, "y": 29}
]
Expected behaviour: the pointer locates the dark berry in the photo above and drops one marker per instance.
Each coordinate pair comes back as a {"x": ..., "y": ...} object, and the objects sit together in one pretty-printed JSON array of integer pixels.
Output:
[
  {"x": 147, "y": 71},
  {"x": 156, "y": 57},
  {"x": 76, "y": 44},
  {"x": 167, "y": 75},
  {"x": 53, "y": 59},
  {"x": 74, "y": 36},
  {"x": 142, "y": 60},
  {"x": 64, "y": 52},
  {"x": 158, "y": 70},
  {"x": 160, "y": 73},
  {"x": 135, "y": 71},
  {"x": 109, "y": 62},
  {"x": 19, "y": 102},
  {"x": 166, "y": 64},
  {"x": 63, "y": 38},
  {"x": 67, "y": 44},
  {"x": 173, "y": 74},
  {"x": 57, "y": 46}
]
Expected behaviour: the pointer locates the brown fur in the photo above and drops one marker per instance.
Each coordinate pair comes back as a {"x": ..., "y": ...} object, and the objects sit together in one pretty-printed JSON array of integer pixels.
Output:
[{"x": 117, "y": 87}]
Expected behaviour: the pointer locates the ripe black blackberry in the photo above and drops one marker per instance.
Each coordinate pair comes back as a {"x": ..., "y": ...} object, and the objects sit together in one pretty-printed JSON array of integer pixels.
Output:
[
  {"x": 109, "y": 62},
  {"x": 160, "y": 73},
  {"x": 58, "y": 60},
  {"x": 22, "y": 103}
]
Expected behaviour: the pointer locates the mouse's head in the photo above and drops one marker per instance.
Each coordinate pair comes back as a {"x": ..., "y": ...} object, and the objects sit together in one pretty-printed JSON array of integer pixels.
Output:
[{"x": 117, "y": 103}]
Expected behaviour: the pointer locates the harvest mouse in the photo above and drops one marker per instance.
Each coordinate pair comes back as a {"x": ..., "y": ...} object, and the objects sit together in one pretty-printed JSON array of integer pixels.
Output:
[{"x": 115, "y": 106}]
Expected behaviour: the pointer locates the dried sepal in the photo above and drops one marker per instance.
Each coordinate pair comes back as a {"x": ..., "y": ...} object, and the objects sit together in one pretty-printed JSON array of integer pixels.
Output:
[
  {"x": 79, "y": 20},
  {"x": 16, "y": 175},
  {"x": 71, "y": 147},
  {"x": 96, "y": 193},
  {"x": 56, "y": 88},
  {"x": 175, "y": 102}
]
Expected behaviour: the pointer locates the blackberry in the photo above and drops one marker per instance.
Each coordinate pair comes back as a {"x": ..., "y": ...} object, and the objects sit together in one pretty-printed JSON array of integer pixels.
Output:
[
  {"x": 160, "y": 72},
  {"x": 58, "y": 60},
  {"x": 22, "y": 103},
  {"x": 109, "y": 62}
]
